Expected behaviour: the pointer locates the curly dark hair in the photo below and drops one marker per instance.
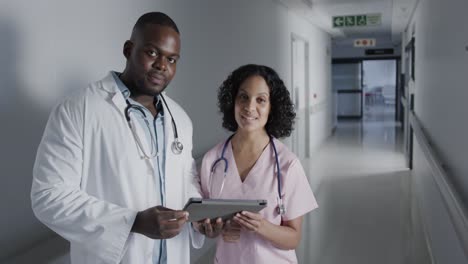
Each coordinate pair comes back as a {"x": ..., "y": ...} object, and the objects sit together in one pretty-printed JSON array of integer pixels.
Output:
[{"x": 281, "y": 118}]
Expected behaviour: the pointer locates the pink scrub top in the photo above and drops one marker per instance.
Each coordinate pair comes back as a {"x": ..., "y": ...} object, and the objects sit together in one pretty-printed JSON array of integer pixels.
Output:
[{"x": 260, "y": 183}]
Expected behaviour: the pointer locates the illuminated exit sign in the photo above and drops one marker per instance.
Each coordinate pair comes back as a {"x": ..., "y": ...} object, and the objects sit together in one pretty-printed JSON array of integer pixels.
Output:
[{"x": 357, "y": 20}]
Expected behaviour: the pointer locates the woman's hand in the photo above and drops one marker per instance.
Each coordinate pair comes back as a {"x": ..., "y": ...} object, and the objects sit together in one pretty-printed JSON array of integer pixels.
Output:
[
  {"x": 285, "y": 236},
  {"x": 231, "y": 231},
  {"x": 208, "y": 228},
  {"x": 250, "y": 221}
]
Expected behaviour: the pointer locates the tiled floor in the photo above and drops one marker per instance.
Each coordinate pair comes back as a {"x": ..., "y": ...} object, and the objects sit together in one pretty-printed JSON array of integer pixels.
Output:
[{"x": 363, "y": 197}]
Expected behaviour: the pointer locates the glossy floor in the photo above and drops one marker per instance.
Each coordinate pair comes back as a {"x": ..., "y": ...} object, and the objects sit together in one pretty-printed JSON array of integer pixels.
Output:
[{"x": 363, "y": 198}]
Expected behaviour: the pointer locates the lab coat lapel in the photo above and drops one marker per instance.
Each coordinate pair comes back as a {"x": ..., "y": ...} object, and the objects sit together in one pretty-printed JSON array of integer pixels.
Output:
[
  {"x": 117, "y": 98},
  {"x": 168, "y": 134},
  {"x": 173, "y": 168},
  {"x": 119, "y": 103},
  {"x": 109, "y": 85}
]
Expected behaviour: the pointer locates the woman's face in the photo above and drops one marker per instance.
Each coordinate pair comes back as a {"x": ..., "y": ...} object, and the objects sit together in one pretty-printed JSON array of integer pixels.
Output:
[{"x": 252, "y": 105}]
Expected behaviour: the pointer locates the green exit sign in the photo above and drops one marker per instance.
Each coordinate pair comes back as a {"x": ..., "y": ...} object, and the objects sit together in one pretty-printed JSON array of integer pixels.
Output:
[{"x": 357, "y": 20}]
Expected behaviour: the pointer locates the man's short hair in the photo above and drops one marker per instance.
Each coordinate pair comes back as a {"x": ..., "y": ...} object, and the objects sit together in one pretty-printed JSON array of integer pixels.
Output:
[{"x": 157, "y": 18}]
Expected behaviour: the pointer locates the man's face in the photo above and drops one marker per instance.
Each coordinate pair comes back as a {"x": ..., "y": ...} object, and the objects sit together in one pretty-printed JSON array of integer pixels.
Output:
[{"x": 152, "y": 56}]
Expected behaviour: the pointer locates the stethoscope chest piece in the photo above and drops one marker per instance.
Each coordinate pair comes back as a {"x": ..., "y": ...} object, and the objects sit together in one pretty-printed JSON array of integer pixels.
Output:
[
  {"x": 177, "y": 147},
  {"x": 281, "y": 209}
]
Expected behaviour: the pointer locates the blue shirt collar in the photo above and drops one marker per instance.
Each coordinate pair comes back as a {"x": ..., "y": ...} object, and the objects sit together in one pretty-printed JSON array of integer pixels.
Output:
[{"x": 126, "y": 92}]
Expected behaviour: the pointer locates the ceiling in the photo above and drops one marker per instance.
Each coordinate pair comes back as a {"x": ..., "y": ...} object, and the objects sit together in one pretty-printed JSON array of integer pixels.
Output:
[{"x": 395, "y": 15}]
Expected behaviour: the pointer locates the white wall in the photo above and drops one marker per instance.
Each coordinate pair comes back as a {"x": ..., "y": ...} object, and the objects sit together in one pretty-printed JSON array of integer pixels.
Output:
[
  {"x": 441, "y": 92},
  {"x": 321, "y": 106},
  {"x": 51, "y": 47},
  {"x": 441, "y": 82}
]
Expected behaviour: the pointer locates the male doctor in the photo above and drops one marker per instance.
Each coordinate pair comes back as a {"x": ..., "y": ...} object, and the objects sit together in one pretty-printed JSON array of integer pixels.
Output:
[{"x": 107, "y": 176}]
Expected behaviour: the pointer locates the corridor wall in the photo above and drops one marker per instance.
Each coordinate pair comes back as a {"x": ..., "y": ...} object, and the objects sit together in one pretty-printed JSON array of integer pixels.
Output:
[{"x": 439, "y": 88}]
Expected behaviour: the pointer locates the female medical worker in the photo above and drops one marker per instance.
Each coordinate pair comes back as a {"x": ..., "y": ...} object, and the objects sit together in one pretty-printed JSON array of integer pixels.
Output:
[
  {"x": 256, "y": 106},
  {"x": 98, "y": 181}
]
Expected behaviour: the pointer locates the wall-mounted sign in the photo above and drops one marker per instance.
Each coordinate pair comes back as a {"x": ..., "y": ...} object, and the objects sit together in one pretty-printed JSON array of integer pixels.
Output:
[
  {"x": 379, "y": 51},
  {"x": 368, "y": 42},
  {"x": 357, "y": 20}
]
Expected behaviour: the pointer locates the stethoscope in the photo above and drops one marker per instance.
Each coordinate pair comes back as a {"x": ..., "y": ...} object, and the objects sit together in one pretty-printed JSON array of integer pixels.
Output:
[
  {"x": 176, "y": 145},
  {"x": 281, "y": 209}
]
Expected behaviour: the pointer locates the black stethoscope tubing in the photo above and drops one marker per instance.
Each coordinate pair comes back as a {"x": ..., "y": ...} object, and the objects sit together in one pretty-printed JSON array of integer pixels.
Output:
[{"x": 176, "y": 146}]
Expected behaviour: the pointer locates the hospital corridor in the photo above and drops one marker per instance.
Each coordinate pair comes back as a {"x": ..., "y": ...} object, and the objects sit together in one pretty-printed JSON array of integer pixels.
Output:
[
  {"x": 378, "y": 89},
  {"x": 363, "y": 199}
]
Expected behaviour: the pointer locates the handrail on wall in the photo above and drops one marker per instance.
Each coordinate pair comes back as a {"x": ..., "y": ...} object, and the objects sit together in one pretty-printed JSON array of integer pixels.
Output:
[{"x": 452, "y": 201}]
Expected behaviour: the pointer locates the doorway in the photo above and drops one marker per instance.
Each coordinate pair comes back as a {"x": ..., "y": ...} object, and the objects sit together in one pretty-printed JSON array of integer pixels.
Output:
[
  {"x": 379, "y": 86},
  {"x": 361, "y": 82}
]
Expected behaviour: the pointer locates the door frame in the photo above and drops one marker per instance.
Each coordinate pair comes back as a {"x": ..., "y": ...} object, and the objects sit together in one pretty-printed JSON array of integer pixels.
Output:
[{"x": 295, "y": 140}]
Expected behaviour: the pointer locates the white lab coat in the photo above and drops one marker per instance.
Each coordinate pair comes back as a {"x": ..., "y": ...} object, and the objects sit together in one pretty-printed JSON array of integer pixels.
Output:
[{"x": 89, "y": 180}]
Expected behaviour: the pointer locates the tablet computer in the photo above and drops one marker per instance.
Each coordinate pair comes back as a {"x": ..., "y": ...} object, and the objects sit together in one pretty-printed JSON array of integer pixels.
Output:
[{"x": 200, "y": 209}]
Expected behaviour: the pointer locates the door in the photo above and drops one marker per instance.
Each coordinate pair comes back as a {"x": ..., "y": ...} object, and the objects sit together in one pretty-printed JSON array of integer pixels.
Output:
[{"x": 346, "y": 81}]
